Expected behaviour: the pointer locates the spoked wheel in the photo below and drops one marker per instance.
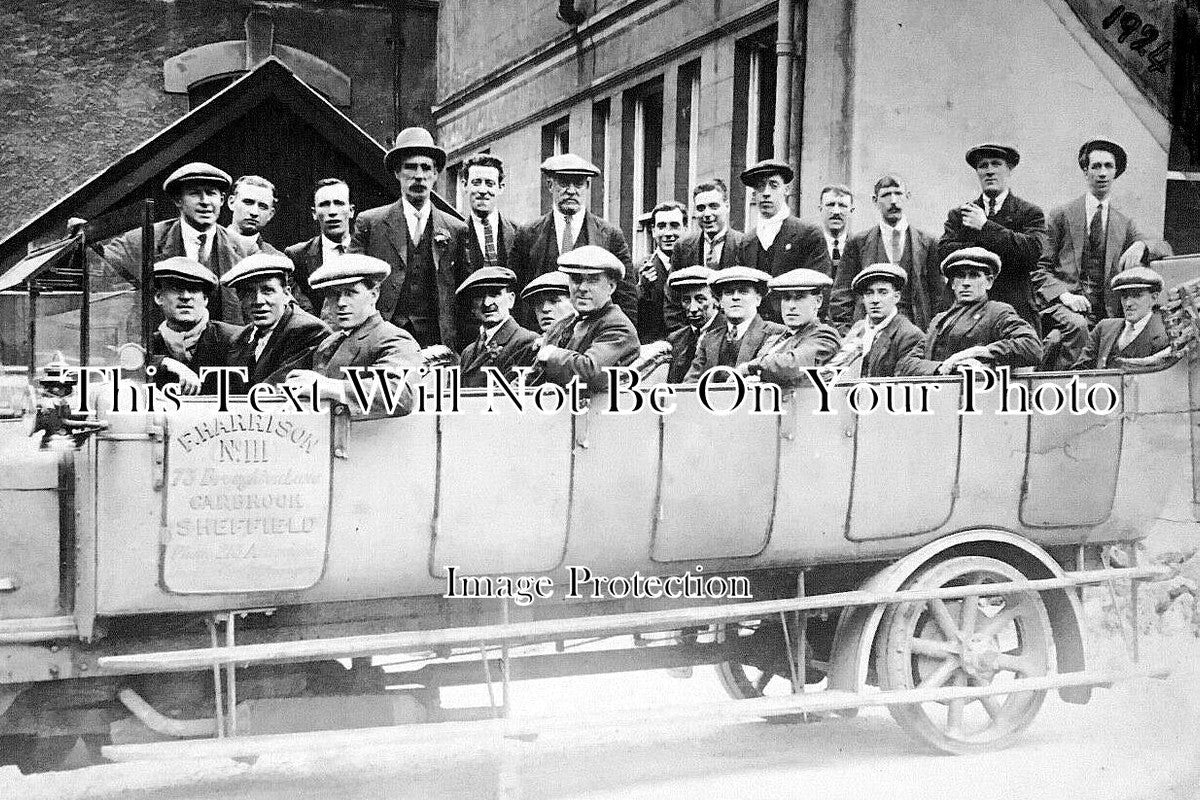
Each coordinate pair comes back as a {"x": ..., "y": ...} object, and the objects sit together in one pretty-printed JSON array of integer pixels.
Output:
[
  {"x": 982, "y": 640},
  {"x": 760, "y": 666}
]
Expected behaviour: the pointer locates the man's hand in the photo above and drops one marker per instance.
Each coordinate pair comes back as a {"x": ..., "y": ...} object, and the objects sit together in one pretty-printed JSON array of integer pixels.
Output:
[
  {"x": 656, "y": 349},
  {"x": 973, "y": 216},
  {"x": 302, "y": 382},
  {"x": 1076, "y": 302},
  {"x": 544, "y": 352},
  {"x": 971, "y": 355},
  {"x": 649, "y": 271},
  {"x": 1133, "y": 256},
  {"x": 189, "y": 382}
]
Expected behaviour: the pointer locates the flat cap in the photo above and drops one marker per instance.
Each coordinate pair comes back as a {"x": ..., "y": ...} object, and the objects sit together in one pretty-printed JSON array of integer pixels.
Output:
[
  {"x": 690, "y": 277},
  {"x": 185, "y": 270},
  {"x": 591, "y": 259},
  {"x": 547, "y": 282},
  {"x": 979, "y": 257},
  {"x": 1108, "y": 145},
  {"x": 198, "y": 172},
  {"x": 1137, "y": 278},
  {"x": 414, "y": 141},
  {"x": 488, "y": 278},
  {"x": 729, "y": 275},
  {"x": 768, "y": 166},
  {"x": 879, "y": 272},
  {"x": 993, "y": 150},
  {"x": 348, "y": 268},
  {"x": 570, "y": 164},
  {"x": 800, "y": 280},
  {"x": 259, "y": 265}
]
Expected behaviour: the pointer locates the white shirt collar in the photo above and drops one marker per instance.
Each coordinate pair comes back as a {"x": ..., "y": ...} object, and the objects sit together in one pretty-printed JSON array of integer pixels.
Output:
[
  {"x": 191, "y": 239},
  {"x": 886, "y": 230},
  {"x": 1089, "y": 205},
  {"x": 493, "y": 217},
  {"x": 490, "y": 333},
  {"x": 329, "y": 246},
  {"x": 560, "y": 222},
  {"x": 418, "y": 219},
  {"x": 768, "y": 228},
  {"x": 1000, "y": 198},
  {"x": 1136, "y": 327},
  {"x": 830, "y": 239},
  {"x": 739, "y": 329}
]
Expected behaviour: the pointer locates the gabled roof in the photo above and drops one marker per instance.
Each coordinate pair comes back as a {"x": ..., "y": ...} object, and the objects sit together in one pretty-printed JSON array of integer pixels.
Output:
[{"x": 139, "y": 173}]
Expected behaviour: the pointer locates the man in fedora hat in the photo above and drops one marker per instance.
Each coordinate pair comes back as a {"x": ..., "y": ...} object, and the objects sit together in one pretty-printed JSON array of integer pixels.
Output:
[
  {"x": 601, "y": 335},
  {"x": 424, "y": 245},
  {"x": 975, "y": 331},
  {"x": 187, "y": 340},
  {"x": 502, "y": 343},
  {"x": 1137, "y": 341},
  {"x": 740, "y": 292},
  {"x": 281, "y": 336},
  {"x": 568, "y": 225},
  {"x": 1089, "y": 242},
  {"x": 198, "y": 191},
  {"x": 998, "y": 220}
]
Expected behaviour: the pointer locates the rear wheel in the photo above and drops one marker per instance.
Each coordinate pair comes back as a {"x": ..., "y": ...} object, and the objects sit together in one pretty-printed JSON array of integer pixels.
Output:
[{"x": 981, "y": 640}]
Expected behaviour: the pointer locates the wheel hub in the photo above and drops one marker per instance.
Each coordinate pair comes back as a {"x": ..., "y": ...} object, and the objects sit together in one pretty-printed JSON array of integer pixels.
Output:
[{"x": 980, "y": 656}]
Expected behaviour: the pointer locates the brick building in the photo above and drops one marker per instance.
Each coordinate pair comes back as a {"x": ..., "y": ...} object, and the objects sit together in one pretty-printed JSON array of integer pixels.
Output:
[{"x": 659, "y": 92}]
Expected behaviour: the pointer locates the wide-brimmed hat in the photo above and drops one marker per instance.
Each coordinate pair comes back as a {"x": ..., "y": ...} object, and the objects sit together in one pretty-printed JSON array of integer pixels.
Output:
[{"x": 414, "y": 141}]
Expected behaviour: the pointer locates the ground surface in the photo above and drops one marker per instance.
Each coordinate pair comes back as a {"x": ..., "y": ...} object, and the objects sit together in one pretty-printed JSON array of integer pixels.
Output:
[{"x": 1139, "y": 740}]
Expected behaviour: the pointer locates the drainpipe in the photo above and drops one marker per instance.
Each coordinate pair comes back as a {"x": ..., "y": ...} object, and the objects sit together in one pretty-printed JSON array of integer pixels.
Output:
[{"x": 785, "y": 52}]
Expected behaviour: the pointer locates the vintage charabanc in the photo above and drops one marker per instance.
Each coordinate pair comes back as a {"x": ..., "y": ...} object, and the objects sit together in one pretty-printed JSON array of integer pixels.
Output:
[{"x": 229, "y": 574}]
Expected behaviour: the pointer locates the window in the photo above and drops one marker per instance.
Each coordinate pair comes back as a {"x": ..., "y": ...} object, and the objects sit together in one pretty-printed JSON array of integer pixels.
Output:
[
  {"x": 687, "y": 130},
  {"x": 453, "y": 196},
  {"x": 556, "y": 140},
  {"x": 753, "y": 110},
  {"x": 643, "y": 129},
  {"x": 602, "y": 157}
]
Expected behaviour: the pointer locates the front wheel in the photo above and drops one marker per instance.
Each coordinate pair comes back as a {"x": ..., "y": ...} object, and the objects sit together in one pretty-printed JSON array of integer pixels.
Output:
[{"x": 981, "y": 640}]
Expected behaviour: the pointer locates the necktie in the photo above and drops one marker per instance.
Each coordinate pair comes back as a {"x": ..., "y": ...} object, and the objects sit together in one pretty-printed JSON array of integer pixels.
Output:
[
  {"x": 897, "y": 246},
  {"x": 1096, "y": 232},
  {"x": 489, "y": 243},
  {"x": 836, "y": 255},
  {"x": 201, "y": 241},
  {"x": 340, "y": 248},
  {"x": 731, "y": 334},
  {"x": 260, "y": 343},
  {"x": 711, "y": 260},
  {"x": 991, "y": 207},
  {"x": 567, "y": 243}
]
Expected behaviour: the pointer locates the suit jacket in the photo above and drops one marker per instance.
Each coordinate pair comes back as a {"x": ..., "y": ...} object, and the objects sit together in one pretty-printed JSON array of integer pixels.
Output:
[
  {"x": 683, "y": 347},
  {"x": 799, "y": 244},
  {"x": 1009, "y": 337},
  {"x": 511, "y": 347},
  {"x": 291, "y": 346},
  {"x": 785, "y": 356},
  {"x": 383, "y": 232},
  {"x": 212, "y": 350},
  {"x": 923, "y": 296},
  {"x": 535, "y": 252},
  {"x": 375, "y": 343},
  {"x": 1061, "y": 264},
  {"x": 1101, "y": 348},
  {"x": 897, "y": 339},
  {"x": 124, "y": 253},
  {"x": 1016, "y": 233},
  {"x": 604, "y": 338},
  {"x": 506, "y": 233},
  {"x": 708, "y": 351},
  {"x": 307, "y": 257},
  {"x": 652, "y": 297},
  {"x": 689, "y": 251}
]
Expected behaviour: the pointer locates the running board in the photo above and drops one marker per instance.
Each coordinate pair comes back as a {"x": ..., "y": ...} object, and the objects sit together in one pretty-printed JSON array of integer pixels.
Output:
[
  {"x": 436, "y": 734},
  {"x": 549, "y": 630}
]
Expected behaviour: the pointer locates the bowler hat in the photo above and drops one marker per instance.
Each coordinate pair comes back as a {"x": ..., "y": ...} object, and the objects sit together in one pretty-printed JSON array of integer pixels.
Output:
[
  {"x": 879, "y": 272},
  {"x": 414, "y": 141},
  {"x": 993, "y": 150},
  {"x": 1107, "y": 145}
]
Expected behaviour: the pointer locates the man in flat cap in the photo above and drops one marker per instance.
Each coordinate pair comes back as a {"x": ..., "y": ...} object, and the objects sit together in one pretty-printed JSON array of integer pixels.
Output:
[
  {"x": 998, "y": 220},
  {"x": 333, "y": 212},
  {"x": 281, "y": 336},
  {"x": 1138, "y": 341},
  {"x": 690, "y": 286},
  {"x": 424, "y": 245},
  {"x": 187, "y": 340},
  {"x": 975, "y": 331},
  {"x": 880, "y": 339},
  {"x": 198, "y": 191},
  {"x": 1090, "y": 241},
  {"x": 363, "y": 340},
  {"x": 780, "y": 242},
  {"x": 569, "y": 225},
  {"x": 740, "y": 292},
  {"x": 502, "y": 343},
  {"x": 668, "y": 221},
  {"x": 252, "y": 205},
  {"x": 491, "y": 234},
  {"x": 601, "y": 335},
  {"x": 715, "y": 245},
  {"x": 894, "y": 241},
  {"x": 807, "y": 342},
  {"x": 549, "y": 297}
]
